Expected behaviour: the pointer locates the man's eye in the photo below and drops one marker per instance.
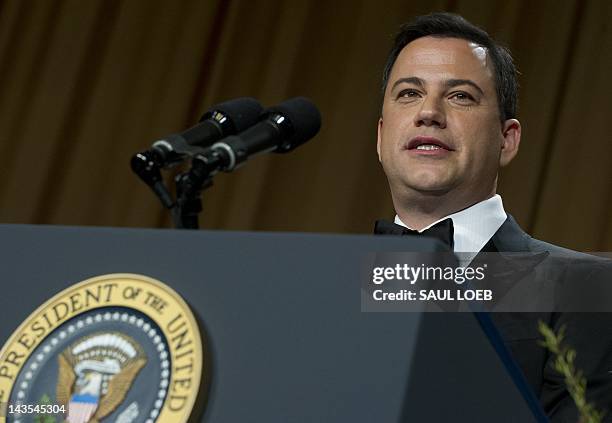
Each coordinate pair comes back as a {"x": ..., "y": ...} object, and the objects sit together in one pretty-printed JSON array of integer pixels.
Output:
[
  {"x": 462, "y": 96},
  {"x": 408, "y": 94}
]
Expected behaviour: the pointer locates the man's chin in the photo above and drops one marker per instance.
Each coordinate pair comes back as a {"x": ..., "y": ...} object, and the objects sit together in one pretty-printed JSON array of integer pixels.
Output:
[
  {"x": 430, "y": 186},
  {"x": 431, "y": 191},
  {"x": 426, "y": 190},
  {"x": 423, "y": 182}
]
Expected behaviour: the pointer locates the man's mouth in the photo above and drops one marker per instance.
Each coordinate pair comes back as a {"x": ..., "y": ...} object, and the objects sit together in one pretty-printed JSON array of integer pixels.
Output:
[
  {"x": 424, "y": 143},
  {"x": 428, "y": 147}
]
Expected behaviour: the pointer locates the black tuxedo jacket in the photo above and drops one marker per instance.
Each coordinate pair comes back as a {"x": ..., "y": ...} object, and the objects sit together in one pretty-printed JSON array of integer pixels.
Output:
[{"x": 590, "y": 334}]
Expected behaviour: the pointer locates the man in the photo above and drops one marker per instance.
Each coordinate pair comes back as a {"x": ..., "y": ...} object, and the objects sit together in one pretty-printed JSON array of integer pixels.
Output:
[{"x": 448, "y": 124}]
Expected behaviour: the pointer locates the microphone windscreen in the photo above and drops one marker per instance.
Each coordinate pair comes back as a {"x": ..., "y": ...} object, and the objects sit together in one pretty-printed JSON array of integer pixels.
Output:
[
  {"x": 304, "y": 118},
  {"x": 242, "y": 112}
]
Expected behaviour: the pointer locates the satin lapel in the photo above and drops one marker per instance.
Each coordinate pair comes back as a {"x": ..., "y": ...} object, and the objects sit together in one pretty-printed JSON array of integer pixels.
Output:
[{"x": 508, "y": 238}]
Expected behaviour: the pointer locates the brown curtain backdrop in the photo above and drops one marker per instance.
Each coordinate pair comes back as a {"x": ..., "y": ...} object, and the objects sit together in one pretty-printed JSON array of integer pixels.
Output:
[{"x": 86, "y": 83}]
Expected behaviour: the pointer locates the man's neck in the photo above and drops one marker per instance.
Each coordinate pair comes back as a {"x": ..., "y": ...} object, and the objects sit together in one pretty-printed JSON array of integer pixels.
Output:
[{"x": 420, "y": 214}]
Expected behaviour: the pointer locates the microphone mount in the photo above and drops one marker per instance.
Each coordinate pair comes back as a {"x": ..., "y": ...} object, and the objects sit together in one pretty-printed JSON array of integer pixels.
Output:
[{"x": 190, "y": 184}]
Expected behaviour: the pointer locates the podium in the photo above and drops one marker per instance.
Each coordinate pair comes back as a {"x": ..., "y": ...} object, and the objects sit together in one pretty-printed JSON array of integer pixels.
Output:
[{"x": 285, "y": 338}]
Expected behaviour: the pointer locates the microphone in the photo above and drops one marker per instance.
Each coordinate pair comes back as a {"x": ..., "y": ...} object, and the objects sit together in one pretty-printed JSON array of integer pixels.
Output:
[
  {"x": 281, "y": 129},
  {"x": 221, "y": 120}
]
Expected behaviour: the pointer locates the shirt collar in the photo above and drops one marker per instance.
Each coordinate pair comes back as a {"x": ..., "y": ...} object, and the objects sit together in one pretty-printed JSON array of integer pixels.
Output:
[{"x": 474, "y": 226}]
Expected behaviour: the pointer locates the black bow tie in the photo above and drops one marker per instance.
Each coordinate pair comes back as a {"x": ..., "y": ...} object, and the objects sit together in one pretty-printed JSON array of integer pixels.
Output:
[{"x": 442, "y": 231}]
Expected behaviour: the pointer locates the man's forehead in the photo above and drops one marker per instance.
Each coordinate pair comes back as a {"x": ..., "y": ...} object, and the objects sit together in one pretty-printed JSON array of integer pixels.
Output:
[{"x": 439, "y": 51}]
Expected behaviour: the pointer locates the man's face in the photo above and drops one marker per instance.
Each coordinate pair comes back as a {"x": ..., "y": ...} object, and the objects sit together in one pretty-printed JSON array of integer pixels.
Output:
[{"x": 440, "y": 128}]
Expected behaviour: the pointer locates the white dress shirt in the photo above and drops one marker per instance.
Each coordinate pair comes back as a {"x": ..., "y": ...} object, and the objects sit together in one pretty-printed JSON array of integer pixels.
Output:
[{"x": 474, "y": 226}]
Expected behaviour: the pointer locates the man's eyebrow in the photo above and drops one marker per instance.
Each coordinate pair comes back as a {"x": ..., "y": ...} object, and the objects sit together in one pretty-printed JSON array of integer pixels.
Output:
[
  {"x": 450, "y": 83},
  {"x": 409, "y": 80}
]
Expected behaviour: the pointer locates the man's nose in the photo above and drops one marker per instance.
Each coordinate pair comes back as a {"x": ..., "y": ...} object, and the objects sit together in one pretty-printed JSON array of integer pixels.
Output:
[{"x": 431, "y": 113}]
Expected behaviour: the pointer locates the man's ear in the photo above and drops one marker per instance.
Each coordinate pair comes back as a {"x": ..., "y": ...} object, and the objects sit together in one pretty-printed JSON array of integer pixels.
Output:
[
  {"x": 511, "y": 132},
  {"x": 380, "y": 122}
]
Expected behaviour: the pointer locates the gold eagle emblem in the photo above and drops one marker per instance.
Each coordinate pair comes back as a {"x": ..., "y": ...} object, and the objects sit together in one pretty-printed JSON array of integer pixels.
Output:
[{"x": 96, "y": 373}]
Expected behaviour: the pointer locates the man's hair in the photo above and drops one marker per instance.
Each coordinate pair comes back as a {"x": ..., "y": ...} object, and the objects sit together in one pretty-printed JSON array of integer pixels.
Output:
[{"x": 450, "y": 25}]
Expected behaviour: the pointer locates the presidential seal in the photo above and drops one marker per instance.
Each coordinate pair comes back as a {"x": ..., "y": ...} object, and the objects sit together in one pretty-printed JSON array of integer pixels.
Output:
[{"x": 116, "y": 348}]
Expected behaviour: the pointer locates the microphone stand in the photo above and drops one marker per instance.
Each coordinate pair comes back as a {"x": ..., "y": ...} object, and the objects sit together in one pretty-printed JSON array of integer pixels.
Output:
[
  {"x": 189, "y": 200},
  {"x": 185, "y": 209},
  {"x": 190, "y": 184}
]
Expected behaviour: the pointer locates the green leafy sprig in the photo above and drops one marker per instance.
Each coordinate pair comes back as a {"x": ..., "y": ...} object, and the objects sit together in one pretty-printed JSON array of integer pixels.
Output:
[{"x": 575, "y": 381}]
